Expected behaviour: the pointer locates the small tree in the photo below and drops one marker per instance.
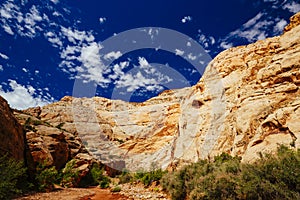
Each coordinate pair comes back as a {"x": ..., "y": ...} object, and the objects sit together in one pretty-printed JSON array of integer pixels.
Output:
[
  {"x": 69, "y": 174},
  {"x": 13, "y": 177},
  {"x": 46, "y": 177}
]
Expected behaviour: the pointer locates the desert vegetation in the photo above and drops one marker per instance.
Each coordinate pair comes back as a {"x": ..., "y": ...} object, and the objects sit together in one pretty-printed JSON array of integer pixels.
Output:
[
  {"x": 271, "y": 177},
  {"x": 13, "y": 178}
]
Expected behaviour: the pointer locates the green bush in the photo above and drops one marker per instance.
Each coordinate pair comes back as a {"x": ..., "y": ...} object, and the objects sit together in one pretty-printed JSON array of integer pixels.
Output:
[
  {"x": 69, "y": 174},
  {"x": 46, "y": 177},
  {"x": 13, "y": 178},
  {"x": 149, "y": 177},
  {"x": 116, "y": 189},
  {"x": 95, "y": 177},
  {"x": 154, "y": 175},
  {"x": 126, "y": 177},
  {"x": 271, "y": 177}
]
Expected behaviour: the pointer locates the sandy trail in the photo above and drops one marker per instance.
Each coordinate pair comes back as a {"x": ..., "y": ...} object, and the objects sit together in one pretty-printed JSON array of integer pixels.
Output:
[{"x": 76, "y": 194}]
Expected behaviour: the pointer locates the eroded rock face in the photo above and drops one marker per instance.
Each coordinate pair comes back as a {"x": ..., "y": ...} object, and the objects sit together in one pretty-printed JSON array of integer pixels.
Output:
[
  {"x": 11, "y": 133},
  {"x": 246, "y": 102},
  {"x": 294, "y": 21},
  {"x": 50, "y": 145}
]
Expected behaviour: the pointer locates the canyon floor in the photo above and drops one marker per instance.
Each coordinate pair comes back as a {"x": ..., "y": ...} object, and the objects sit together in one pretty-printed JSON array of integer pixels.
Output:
[
  {"x": 128, "y": 192},
  {"x": 76, "y": 194}
]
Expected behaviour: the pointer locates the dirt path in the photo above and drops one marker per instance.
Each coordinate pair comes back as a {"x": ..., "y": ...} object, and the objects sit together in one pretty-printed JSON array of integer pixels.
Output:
[
  {"x": 101, "y": 194},
  {"x": 76, "y": 194},
  {"x": 128, "y": 192}
]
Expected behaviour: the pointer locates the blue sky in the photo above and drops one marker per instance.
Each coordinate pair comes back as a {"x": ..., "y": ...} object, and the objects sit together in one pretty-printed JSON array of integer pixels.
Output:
[{"x": 53, "y": 48}]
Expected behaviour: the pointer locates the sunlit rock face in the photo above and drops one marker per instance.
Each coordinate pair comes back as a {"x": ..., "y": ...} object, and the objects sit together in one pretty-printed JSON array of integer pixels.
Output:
[{"x": 246, "y": 102}]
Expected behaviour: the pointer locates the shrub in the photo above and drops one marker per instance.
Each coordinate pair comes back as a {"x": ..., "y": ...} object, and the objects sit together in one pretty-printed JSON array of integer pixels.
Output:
[
  {"x": 13, "y": 178},
  {"x": 69, "y": 174},
  {"x": 116, "y": 189},
  {"x": 126, "y": 177},
  {"x": 95, "y": 177},
  {"x": 271, "y": 177},
  {"x": 46, "y": 177},
  {"x": 154, "y": 175}
]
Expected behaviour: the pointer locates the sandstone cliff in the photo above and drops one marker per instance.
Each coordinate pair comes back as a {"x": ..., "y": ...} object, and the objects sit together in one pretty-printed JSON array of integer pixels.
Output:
[
  {"x": 12, "y": 140},
  {"x": 246, "y": 102},
  {"x": 51, "y": 145}
]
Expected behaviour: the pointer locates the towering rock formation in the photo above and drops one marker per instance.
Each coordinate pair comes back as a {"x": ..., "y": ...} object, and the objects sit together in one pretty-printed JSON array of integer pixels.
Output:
[
  {"x": 12, "y": 140},
  {"x": 247, "y": 101}
]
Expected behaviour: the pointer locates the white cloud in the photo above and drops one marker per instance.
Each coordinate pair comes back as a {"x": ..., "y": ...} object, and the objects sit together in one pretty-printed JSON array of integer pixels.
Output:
[
  {"x": 56, "y": 14},
  {"x": 76, "y": 36},
  {"x": 179, "y": 52},
  {"x": 4, "y": 56},
  {"x": 143, "y": 62},
  {"x": 137, "y": 81},
  {"x": 118, "y": 70},
  {"x": 14, "y": 20},
  {"x": 24, "y": 70},
  {"x": 280, "y": 25},
  {"x": 90, "y": 55},
  {"x": 7, "y": 29},
  {"x": 143, "y": 77},
  {"x": 253, "y": 21},
  {"x": 102, "y": 20},
  {"x": 1, "y": 68},
  {"x": 254, "y": 29},
  {"x": 293, "y": 7},
  {"x": 4, "y": 12},
  {"x": 86, "y": 51},
  {"x": 192, "y": 57},
  {"x": 186, "y": 19},
  {"x": 253, "y": 33},
  {"x": 226, "y": 45},
  {"x": 22, "y": 97},
  {"x": 55, "y": 1},
  {"x": 113, "y": 55},
  {"x": 54, "y": 39},
  {"x": 205, "y": 41}
]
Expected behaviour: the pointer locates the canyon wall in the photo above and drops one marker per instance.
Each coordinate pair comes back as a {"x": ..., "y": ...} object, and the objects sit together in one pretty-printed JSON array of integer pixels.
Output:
[{"x": 246, "y": 102}]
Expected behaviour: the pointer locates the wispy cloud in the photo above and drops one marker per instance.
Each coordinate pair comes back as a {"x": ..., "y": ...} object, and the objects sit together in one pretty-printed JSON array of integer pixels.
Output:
[
  {"x": 205, "y": 40},
  {"x": 113, "y": 55},
  {"x": 55, "y": 1},
  {"x": 3, "y": 56},
  {"x": 142, "y": 77},
  {"x": 280, "y": 25},
  {"x": 54, "y": 39},
  {"x": 226, "y": 45},
  {"x": 82, "y": 54},
  {"x": 22, "y": 97},
  {"x": 254, "y": 29},
  {"x": 179, "y": 52},
  {"x": 102, "y": 20},
  {"x": 259, "y": 27},
  {"x": 186, "y": 19},
  {"x": 293, "y": 7},
  {"x": 15, "y": 20},
  {"x": 77, "y": 37}
]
